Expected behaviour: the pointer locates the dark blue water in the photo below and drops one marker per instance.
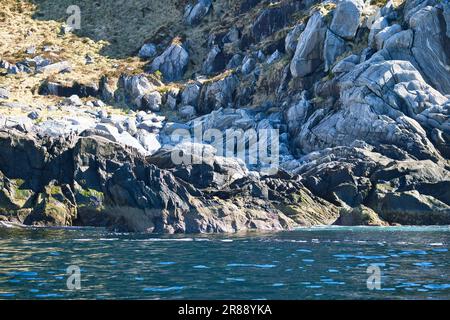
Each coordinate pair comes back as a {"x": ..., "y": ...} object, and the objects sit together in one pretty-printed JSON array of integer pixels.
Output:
[{"x": 322, "y": 263}]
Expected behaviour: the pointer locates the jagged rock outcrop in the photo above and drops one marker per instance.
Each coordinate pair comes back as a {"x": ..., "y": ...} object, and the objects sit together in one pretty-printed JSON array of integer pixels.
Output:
[
  {"x": 172, "y": 63},
  {"x": 94, "y": 181}
]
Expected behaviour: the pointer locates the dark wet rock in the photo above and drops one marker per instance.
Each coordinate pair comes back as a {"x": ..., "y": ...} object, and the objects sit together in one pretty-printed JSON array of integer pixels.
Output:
[
  {"x": 92, "y": 181},
  {"x": 67, "y": 90}
]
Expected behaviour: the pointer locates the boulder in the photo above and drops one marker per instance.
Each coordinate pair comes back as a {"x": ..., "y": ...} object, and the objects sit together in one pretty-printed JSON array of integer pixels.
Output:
[
  {"x": 309, "y": 53},
  {"x": 334, "y": 47},
  {"x": 4, "y": 93},
  {"x": 147, "y": 51},
  {"x": 385, "y": 34},
  {"x": 346, "y": 18},
  {"x": 217, "y": 94},
  {"x": 215, "y": 61},
  {"x": 193, "y": 14},
  {"x": 191, "y": 94},
  {"x": 172, "y": 63},
  {"x": 63, "y": 66},
  {"x": 151, "y": 101},
  {"x": 292, "y": 38},
  {"x": 187, "y": 112},
  {"x": 359, "y": 216}
]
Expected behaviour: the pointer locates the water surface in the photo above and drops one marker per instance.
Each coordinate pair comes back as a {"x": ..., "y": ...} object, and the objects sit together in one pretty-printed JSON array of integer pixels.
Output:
[{"x": 317, "y": 263}]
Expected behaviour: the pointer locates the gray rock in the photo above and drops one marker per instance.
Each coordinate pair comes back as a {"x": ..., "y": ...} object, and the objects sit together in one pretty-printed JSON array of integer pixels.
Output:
[
  {"x": 375, "y": 28},
  {"x": 131, "y": 89},
  {"x": 346, "y": 18},
  {"x": 73, "y": 100},
  {"x": 187, "y": 112},
  {"x": 34, "y": 115},
  {"x": 429, "y": 50},
  {"x": 235, "y": 61},
  {"x": 193, "y": 14},
  {"x": 4, "y": 64},
  {"x": 172, "y": 99},
  {"x": 172, "y": 63},
  {"x": 215, "y": 61},
  {"x": 274, "y": 57},
  {"x": 292, "y": 38},
  {"x": 98, "y": 103},
  {"x": 447, "y": 17},
  {"x": 130, "y": 126},
  {"x": 232, "y": 36},
  {"x": 89, "y": 59},
  {"x": 309, "y": 53},
  {"x": 63, "y": 66},
  {"x": 149, "y": 141},
  {"x": 346, "y": 64},
  {"x": 151, "y": 101},
  {"x": 333, "y": 48},
  {"x": 191, "y": 94},
  {"x": 413, "y": 6},
  {"x": 399, "y": 41},
  {"x": 248, "y": 65},
  {"x": 363, "y": 115},
  {"x": 147, "y": 51},
  {"x": 30, "y": 50},
  {"x": 385, "y": 34},
  {"x": 4, "y": 93},
  {"x": 218, "y": 94}
]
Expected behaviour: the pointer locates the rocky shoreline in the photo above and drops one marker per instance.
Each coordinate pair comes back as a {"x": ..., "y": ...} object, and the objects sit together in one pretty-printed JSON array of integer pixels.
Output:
[{"x": 359, "y": 93}]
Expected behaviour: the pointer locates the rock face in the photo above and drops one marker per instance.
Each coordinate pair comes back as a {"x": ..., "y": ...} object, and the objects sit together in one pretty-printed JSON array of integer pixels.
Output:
[
  {"x": 193, "y": 14},
  {"x": 430, "y": 47},
  {"x": 95, "y": 182},
  {"x": 172, "y": 63},
  {"x": 217, "y": 94},
  {"x": 308, "y": 55}
]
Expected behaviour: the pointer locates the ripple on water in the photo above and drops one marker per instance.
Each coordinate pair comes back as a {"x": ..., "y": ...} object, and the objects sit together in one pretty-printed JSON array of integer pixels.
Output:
[
  {"x": 163, "y": 289},
  {"x": 166, "y": 263},
  {"x": 437, "y": 286},
  {"x": 235, "y": 279},
  {"x": 423, "y": 264},
  {"x": 246, "y": 265}
]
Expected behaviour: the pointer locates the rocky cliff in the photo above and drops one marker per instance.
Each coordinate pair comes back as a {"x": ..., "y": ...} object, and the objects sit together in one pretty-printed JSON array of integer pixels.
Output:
[{"x": 357, "y": 92}]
